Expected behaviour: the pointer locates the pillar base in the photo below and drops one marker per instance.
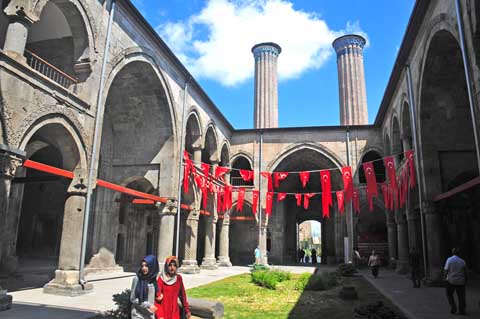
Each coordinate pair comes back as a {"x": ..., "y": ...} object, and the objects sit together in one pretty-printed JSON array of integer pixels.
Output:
[
  {"x": 189, "y": 267},
  {"x": 224, "y": 261},
  {"x": 5, "y": 300},
  {"x": 66, "y": 283},
  {"x": 209, "y": 263},
  {"x": 402, "y": 267}
]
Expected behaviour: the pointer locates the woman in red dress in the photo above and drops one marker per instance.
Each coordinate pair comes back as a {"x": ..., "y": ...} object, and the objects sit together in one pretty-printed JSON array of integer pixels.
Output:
[{"x": 171, "y": 288}]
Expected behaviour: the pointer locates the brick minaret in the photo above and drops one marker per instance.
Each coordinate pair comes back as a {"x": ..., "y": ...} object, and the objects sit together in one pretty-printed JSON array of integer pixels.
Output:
[
  {"x": 266, "y": 87},
  {"x": 351, "y": 80}
]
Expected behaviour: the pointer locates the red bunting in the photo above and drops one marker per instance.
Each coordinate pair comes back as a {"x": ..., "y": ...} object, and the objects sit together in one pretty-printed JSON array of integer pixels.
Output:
[
  {"x": 268, "y": 176},
  {"x": 269, "y": 204},
  {"x": 187, "y": 171},
  {"x": 255, "y": 194},
  {"x": 304, "y": 177},
  {"x": 347, "y": 182},
  {"x": 372, "y": 189},
  {"x": 220, "y": 201},
  {"x": 228, "y": 197},
  {"x": 299, "y": 199},
  {"x": 341, "y": 202},
  {"x": 390, "y": 168},
  {"x": 386, "y": 199},
  {"x": 281, "y": 196},
  {"x": 201, "y": 183},
  {"x": 220, "y": 172},
  {"x": 306, "y": 199},
  {"x": 246, "y": 175},
  {"x": 279, "y": 176},
  {"x": 240, "y": 199},
  {"x": 356, "y": 201},
  {"x": 409, "y": 155},
  {"x": 326, "y": 192}
]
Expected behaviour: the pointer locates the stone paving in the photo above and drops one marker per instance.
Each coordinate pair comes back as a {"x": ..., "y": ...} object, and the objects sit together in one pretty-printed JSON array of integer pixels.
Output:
[{"x": 423, "y": 302}]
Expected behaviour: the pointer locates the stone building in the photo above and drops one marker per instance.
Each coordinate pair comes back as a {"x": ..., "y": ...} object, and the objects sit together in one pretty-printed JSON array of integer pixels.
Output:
[{"x": 68, "y": 66}]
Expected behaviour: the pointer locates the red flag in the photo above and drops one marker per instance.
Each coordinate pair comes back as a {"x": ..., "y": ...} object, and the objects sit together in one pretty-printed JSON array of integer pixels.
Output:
[
  {"x": 255, "y": 194},
  {"x": 268, "y": 176},
  {"x": 220, "y": 201},
  {"x": 370, "y": 199},
  {"x": 279, "y": 176},
  {"x": 341, "y": 202},
  {"x": 304, "y": 177},
  {"x": 220, "y": 172},
  {"x": 240, "y": 199},
  {"x": 306, "y": 199},
  {"x": 228, "y": 197},
  {"x": 390, "y": 168},
  {"x": 356, "y": 200},
  {"x": 299, "y": 199},
  {"x": 411, "y": 164},
  {"x": 347, "y": 182},
  {"x": 187, "y": 170},
  {"x": 371, "y": 179},
  {"x": 386, "y": 199},
  {"x": 201, "y": 183},
  {"x": 281, "y": 196},
  {"x": 269, "y": 204},
  {"x": 246, "y": 175},
  {"x": 206, "y": 169},
  {"x": 326, "y": 192}
]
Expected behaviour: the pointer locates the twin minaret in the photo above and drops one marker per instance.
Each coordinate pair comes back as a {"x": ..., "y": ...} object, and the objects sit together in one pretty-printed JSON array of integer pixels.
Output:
[{"x": 351, "y": 82}]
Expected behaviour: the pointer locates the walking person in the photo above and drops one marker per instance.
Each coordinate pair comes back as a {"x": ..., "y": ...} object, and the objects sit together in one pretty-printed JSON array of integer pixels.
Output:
[
  {"x": 374, "y": 262},
  {"x": 456, "y": 276},
  {"x": 145, "y": 289},
  {"x": 314, "y": 256},
  {"x": 414, "y": 260},
  {"x": 301, "y": 255},
  {"x": 170, "y": 285},
  {"x": 257, "y": 254}
]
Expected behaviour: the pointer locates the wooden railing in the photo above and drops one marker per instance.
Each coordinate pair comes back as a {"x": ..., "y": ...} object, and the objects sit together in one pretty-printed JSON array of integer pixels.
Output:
[
  {"x": 50, "y": 71},
  {"x": 238, "y": 181}
]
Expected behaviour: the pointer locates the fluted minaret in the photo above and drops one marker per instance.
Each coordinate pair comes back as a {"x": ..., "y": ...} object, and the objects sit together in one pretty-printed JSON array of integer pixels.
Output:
[
  {"x": 351, "y": 79},
  {"x": 266, "y": 87}
]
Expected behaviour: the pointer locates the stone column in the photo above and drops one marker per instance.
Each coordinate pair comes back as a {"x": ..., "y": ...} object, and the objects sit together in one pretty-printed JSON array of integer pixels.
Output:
[
  {"x": 166, "y": 234},
  {"x": 263, "y": 243},
  {"x": 189, "y": 265},
  {"x": 66, "y": 281},
  {"x": 435, "y": 243},
  {"x": 16, "y": 37},
  {"x": 351, "y": 79},
  {"x": 392, "y": 238},
  {"x": 209, "y": 261},
  {"x": 224, "y": 257},
  {"x": 8, "y": 166},
  {"x": 402, "y": 240},
  {"x": 266, "y": 90}
]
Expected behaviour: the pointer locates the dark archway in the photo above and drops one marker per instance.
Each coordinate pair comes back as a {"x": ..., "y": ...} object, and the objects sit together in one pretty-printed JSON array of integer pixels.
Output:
[
  {"x": 243, "y": 235},
  {"x": 397, "y": 145},
  {"x": 372, "y": 156},
  {"x": 240, "y": 162}
]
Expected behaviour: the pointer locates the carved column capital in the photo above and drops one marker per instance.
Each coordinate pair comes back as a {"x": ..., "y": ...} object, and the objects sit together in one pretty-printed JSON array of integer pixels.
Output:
[
  {"x": 78, "y": 185},
  {"x": 168, "y": 208},
  {"x": 194, "y": 214},
  {"x": 8, "y": 165}
]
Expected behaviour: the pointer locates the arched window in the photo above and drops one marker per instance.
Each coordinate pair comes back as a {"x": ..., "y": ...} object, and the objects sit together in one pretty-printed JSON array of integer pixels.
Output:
[{"x": 240, "y": 162}]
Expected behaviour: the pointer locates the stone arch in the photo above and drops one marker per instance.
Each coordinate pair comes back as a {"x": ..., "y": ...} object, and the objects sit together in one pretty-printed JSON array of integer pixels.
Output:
[
  {"x": 375, "y": 156},
  {"x": 210, "y": 150},
  {"x": 240, "y": 161},
  {"x": 247, "y": 155},
  {"x": 74, "y": 34},
  {"x": 193, "y": 132},
  {"x": 406, "y": 127},
  {"x": 386, "y": 144},
  {"x": 396, "y": 146},
  {"x": 225, "y": 154},
  {"x": 241, "y": 252},
  {"x": 40, "y": 207}
]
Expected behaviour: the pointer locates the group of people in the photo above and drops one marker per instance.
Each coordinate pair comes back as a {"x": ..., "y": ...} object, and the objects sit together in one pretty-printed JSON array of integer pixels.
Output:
[
  {"x": 303, "y": 257},
  {"x": 155, "y": 296}
]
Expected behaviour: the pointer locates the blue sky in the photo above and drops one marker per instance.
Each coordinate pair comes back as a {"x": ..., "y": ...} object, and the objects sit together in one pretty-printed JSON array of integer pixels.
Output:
[{"x": 214, "y": 37}]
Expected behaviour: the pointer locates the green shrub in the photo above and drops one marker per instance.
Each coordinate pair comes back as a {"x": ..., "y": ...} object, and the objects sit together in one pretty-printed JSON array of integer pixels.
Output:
[
  {"x": 122, "y": 300},
  {"x": 269, "y": 278},
  {"x": 322, "y": 281},
  {"x": 346, "y": 270},
  {"x": 302, "y": 281},
  {"x": 259, "y": 267}
]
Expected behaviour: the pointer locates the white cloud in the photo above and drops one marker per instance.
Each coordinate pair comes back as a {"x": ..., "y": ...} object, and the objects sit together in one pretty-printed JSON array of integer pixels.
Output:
[{"x": 216, "y": 42}]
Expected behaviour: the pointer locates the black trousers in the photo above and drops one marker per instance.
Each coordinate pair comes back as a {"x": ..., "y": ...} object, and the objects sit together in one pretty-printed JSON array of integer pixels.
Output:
[
  {"x": 416, "y": 276},
  {"x": 375, "y": 271},
  {"x": 460, "y": 290}
]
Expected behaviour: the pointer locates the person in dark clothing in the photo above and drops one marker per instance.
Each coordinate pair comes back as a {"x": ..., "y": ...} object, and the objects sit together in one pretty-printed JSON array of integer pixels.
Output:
[
  {"x": 414, "y": 259},
  {"x": 314, "y": 256},
  {"x": 456, "y": 276},
  {"x": 301, "y": 255}
]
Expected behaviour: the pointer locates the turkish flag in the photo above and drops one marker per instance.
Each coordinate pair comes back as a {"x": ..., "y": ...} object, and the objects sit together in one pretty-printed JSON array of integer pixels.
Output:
[
  {"x": 326, "y": 192},
  {"x": 246, "y": 175},
  {"x": 269, "y": 204},
  {"x": 255, "y": 194},
  {"x": 220, "y": 172},
  {"x": 240, "y": 199},
  {"x": 340, "y": 202},
  {"x": 347, "y": 182},
  {"x": 369, "y": 171},
  {"x": 268, "y": 176},
  {"x": 299, "y": 199},
  {"x": 279, "y": 176},
  {"x": 281, "y": 196},
  {"x": 201, "y": 183},
  {"x": 411, "y": 164},
  {"x": 187, "y": 170},
  {"x": 390, "y": 168},
  {"x": 370, "y": 199},
  {"x": 304, "y": 177},
  {"x": 306, "y": 199},
  {"x": 356, "y": 201},
  {"x": 386, "y": 199},
  {"x": 220, "y": 201},
  {"x": 228, "y": 197}
]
